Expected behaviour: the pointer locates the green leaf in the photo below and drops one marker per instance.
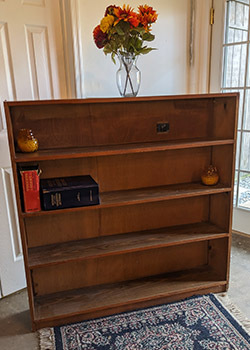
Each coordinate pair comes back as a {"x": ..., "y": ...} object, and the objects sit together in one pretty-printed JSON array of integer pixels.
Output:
[
  {"x": 122, "y": 28},
  {"x": 140, "y": 30},
  {"x": 148, "y": 37},
  {"x": 146, "y": 50},
  {"x": 113, "y": 57},
  {"x": 119, "y": 30}
]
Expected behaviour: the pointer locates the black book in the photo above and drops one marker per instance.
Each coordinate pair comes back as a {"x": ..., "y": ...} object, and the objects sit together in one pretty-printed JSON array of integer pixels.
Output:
[{"x": 69, "y": 192}]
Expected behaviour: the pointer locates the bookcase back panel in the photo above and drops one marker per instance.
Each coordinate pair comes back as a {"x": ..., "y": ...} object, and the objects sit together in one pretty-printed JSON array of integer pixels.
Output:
[
  {"x": 162, "y": 168},
  {"x": 68, "y": 125},
  {"x": 145, "y": 170},
  {"x": 119, "y": 122},
  {"x": 154, "y": 215},
  {"x": 43, "y": 230},
  {"x": 149, "y": 170},
  {"x": 71, "y": 226},
  {"x": 118, "y": 268},
  {"x": 69, "y": 167},
  {"x": 134, "y": 171},
  {"x": 137, "y": 121}
]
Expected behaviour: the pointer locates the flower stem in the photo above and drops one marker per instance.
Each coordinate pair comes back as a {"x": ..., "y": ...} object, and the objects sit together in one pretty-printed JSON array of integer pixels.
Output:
[{"x": 128, "y": 78}]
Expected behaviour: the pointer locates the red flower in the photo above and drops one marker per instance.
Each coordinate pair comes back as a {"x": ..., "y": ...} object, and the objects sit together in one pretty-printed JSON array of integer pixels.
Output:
[
  {"x": 147, "y": 16},
  {"x": 110, "y": 10},
  {"x": 100, "y": 38}
]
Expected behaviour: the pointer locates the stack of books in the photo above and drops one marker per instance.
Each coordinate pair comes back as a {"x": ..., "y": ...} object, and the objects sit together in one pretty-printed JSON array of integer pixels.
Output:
[{"x": 56, "y": 193}]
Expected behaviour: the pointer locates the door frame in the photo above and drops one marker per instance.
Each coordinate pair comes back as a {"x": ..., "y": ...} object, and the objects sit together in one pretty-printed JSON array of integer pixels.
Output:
[{"x": 241, "y": 216}]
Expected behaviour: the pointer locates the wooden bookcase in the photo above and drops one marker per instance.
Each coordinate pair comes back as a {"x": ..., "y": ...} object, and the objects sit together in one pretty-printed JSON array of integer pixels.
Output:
[{"x": 158, "y": 234}]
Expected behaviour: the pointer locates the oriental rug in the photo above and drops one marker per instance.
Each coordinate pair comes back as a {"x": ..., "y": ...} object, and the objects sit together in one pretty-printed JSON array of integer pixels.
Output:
[{"x": 200, "y": 322}]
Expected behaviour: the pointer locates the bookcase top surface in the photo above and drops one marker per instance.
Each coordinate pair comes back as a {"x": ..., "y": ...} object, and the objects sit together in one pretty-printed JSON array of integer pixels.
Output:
[{"x": 121, "y": 100}]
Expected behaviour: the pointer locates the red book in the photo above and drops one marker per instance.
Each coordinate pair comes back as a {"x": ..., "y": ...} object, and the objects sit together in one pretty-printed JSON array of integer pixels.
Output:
[{"x": 31, "y": 190}]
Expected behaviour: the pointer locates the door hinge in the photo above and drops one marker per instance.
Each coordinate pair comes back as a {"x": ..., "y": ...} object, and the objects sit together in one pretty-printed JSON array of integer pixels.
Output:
[{"x": 212, "y": 15}]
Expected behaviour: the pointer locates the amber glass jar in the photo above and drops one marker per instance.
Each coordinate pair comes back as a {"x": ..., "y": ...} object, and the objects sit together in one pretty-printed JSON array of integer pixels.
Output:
[
  {"x": 210, "y": 176},
  {"x": 26, "y": 141}
]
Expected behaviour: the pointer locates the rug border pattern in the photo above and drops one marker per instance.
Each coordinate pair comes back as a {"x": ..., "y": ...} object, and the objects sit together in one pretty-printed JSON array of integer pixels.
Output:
[{"x": 51, "y": 339}]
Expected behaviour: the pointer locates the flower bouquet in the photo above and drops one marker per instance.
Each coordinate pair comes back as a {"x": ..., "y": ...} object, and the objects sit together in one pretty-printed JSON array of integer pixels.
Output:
[{"x": 122, "y": 33}]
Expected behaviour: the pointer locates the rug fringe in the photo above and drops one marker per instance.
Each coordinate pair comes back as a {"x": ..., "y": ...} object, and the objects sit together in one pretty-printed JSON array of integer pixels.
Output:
[
  {"x": 235, "y": 312},
  {"x": 47, "y": 339}
]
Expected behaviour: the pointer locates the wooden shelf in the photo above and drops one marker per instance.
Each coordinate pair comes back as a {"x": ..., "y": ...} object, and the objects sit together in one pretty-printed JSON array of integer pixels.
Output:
[
  {"x": 92, "y": 299},
  {"x": 95, "y": 151},
  {"x": 121, "y": 244},
  {"x": 144, "y": 195}
]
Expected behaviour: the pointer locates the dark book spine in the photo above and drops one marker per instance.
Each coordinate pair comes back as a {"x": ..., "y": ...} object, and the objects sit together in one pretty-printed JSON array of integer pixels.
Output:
[{"x": 70, "y": 198}]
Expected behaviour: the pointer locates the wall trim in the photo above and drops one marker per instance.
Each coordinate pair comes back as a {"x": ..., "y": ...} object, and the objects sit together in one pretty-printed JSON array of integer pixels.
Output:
[
  {"x": 199, "y": 46},
  {"x": 8, "y": 69},
  {"x": 72, "y": 41}
]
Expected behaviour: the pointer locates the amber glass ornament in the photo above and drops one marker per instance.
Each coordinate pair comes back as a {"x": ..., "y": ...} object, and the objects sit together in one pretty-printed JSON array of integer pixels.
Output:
[
  {"x": 210, "y": 176},
  {"x": 26, "y": 141}
]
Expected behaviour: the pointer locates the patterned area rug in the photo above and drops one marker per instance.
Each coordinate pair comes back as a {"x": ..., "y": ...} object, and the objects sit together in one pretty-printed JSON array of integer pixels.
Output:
[{"x": 200, "y": 322}]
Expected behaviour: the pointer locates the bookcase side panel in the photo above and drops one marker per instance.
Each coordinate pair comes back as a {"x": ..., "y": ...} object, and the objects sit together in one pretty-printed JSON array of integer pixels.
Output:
[
  {"x": 218, "y": 257},
  {"x": 223, "y": 159},
  {"x": 224, "y": 117},
  {"x": 220, "y": 205}
]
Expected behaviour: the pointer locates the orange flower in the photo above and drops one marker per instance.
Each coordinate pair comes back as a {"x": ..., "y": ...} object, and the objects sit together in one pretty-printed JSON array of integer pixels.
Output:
[
  {"x": 126, "y": 14},
  {"x": 147, "y": 16}
]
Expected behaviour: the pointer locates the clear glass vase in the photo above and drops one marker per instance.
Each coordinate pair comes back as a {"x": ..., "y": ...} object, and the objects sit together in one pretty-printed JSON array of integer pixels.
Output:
[{"x": 128, "y": 76}]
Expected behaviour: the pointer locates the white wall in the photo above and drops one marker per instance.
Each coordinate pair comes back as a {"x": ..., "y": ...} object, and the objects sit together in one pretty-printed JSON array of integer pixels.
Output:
[{"x": 164, "y": 71}]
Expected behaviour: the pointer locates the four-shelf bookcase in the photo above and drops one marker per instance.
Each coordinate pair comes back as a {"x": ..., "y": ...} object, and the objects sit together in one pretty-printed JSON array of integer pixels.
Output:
[{"x": 158, "y": 234}]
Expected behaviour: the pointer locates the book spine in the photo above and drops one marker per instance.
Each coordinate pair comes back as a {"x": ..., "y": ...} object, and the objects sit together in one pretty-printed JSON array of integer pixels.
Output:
[
  {"x": 31, "y": 190},
  {"x": 70, "y": 198}
]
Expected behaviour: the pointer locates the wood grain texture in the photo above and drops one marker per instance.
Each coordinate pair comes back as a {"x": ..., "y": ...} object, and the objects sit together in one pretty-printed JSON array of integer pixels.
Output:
[
  {"x": 144, "y": 195},
  {"x": 121, "y": 244},
  {"x": 78, "y": 225},
  {"x": 158, "y": 234},
  {"x": 118, "y": 268},
  {"x": 145, "y": 170},
  {"x": 81, "y": 124},
  {"x": 220, "y": 210},
  {"x": 98, "y": 151},
  {"x": 130, "y": 292}
]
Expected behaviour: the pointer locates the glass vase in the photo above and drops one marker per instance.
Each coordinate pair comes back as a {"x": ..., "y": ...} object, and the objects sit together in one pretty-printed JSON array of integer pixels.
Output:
[{"x": 128, "y": 76}]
